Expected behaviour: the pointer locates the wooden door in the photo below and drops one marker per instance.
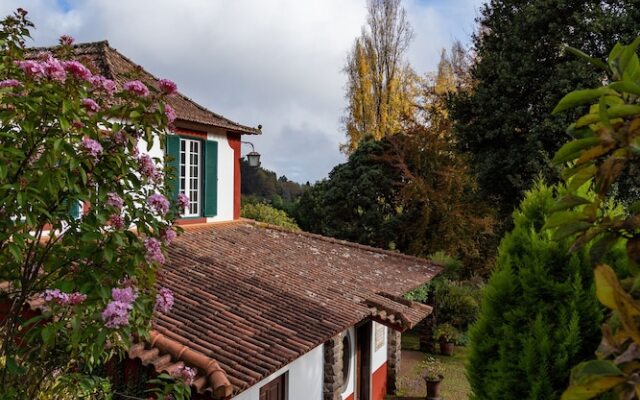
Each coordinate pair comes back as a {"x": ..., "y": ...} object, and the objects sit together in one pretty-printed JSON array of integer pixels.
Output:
[
  {"x": 363, "y": 361},
  {"x": 275, "y": 390}
]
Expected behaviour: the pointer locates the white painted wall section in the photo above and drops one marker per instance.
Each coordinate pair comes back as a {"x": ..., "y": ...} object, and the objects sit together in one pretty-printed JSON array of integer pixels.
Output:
[
  {"x": 379, "y": 356},
  {"x": 304, "y": 382},
  {"x": 225, "y": 178}
]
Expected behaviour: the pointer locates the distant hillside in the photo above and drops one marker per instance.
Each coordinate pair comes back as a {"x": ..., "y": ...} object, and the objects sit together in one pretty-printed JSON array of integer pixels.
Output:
[{"x": 260, "y": 185}]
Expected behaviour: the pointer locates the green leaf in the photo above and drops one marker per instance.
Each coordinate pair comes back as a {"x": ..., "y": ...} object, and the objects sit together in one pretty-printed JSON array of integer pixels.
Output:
[
  {"x": 592, "y": 60},
  {"x": 569, "y": 201},
  {"x": 564, "y": 231},
  {"x": 601, "y": 380},
  {"x": 561, "y": 218},
  {"x": 628, "y": 53},
  {"x": 579, "y": 97},
  {"x": 571, "y": 150}
]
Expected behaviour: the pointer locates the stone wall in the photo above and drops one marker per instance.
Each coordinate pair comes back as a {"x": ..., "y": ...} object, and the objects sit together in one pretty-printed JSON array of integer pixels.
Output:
[
  {"x": 394, "y": 352},
  {"x": 333, "y": 382}
]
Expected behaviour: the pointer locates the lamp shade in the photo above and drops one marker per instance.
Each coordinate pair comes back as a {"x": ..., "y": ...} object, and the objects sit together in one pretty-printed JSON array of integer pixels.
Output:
[{"x": 254, "y": 159}]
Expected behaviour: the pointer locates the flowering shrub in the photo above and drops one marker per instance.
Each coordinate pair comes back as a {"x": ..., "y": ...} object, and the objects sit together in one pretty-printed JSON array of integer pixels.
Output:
[{"x": 69, "y": 141}]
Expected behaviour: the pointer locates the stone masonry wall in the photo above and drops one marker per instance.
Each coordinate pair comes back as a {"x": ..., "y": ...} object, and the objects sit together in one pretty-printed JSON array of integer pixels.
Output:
[
  {"x": 393, "y": 359},
  {"x": 333, "y": 382}
]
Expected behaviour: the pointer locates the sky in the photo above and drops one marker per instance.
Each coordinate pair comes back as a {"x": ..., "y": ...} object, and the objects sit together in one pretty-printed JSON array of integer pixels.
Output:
[{"x": 277, "y": 63}]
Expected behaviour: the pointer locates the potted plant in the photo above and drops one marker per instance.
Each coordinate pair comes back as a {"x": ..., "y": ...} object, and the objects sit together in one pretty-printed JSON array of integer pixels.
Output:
[
  {"x": 447, "y": 335},
  {"x": 433, "y": 376}
]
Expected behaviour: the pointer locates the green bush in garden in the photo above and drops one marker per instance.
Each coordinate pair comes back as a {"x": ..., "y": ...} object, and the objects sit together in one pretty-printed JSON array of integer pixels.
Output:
[
  {"x": 539, "y": 313},
  {"x": 268, "y": 214}
]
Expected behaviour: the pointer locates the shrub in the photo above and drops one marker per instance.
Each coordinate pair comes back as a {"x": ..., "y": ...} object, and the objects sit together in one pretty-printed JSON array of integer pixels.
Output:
[
  {"x": 267, "y": 214},
  {"x": 457, "y": 303},
  {"x": 539, "y": 313}
]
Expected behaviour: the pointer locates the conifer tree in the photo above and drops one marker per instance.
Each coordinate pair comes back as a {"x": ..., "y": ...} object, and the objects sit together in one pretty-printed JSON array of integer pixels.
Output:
[{"x": 539, "y": 314}]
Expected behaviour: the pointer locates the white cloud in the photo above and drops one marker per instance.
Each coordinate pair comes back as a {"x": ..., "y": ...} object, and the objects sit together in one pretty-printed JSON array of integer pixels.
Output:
[{"x": 276, "y": 63}]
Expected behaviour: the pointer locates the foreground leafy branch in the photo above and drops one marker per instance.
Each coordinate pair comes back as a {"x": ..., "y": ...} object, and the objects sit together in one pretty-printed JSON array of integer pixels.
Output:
[{"x": 606, "y": 145}]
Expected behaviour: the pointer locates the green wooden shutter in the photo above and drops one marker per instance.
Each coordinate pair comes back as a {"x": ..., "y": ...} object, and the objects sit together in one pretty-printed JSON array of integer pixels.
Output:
[
  {"x": 173, "y": 152},
  {"x": 76, "y": 210},
  {"x": 210, "y": 178}
]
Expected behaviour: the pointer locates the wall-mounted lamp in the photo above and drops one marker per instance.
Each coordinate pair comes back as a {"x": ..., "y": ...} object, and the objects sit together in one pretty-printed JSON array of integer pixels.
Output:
[{"x": 253, "y": 157}]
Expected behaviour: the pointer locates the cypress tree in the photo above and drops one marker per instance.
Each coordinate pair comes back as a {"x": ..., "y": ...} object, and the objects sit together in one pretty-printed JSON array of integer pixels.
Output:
[{"x": 539, "y": 315}]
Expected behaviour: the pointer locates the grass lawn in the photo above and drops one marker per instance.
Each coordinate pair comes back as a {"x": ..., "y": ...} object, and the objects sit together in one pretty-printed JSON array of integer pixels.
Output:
[{"x": 454, "y": 386}]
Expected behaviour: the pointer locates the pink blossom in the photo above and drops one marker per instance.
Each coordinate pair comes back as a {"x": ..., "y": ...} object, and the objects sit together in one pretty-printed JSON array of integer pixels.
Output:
[
  {"x": 119, "y": 137},
  {"x": 154, "y": 252},
  {"x": 54, "y": 69},
  {"x": 31, "y": 68},
  {"x": 76, "y": 69},
  {"x": 10, "y": 83},
  {"x": 124, "y": 295},
  {"x": 164, "y": 300},
  {"x": 183, "y": 201},
  {"x": 116, "y": 221},
  {"x": 100, "y": 82},
  {"x": 170, "y": 113},
  {"x": 77, "y": 124},
  {"x": 116, "y": 314},
  {"x": 148, "y": 168},
  {"x": 167, "y": 86},
  {"x": 66, "y": 40},
  {"x": 187, "y": 374},
  {"x": 76, "y": 298},
  {"x": 114, "y": 200},
  {"x": 92, "y": 147},
  {"x": 90, "y": 105},
  {"x": 64, "y": 299},
  {"x": 159, "y": 203},
  {"x": 136, "y": 87},
  {"x": 169, "y": 236}
]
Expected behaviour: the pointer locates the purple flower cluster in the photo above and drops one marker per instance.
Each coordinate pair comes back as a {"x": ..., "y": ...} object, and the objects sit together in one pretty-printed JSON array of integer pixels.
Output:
[
  {"x": 92, "y": 148},
  {"x": 187, "y": 374},
  {"x": 164, "y": 300},
  {"x": 31, "y": 68},
  {"x": 168, "y": 87},
  {"x": 78, "y": 70},
  {"x": 10, "y": 83},
  {"x": 148, "y": 168},
  {"x": 54, "y": 69},
  {"x": 183, "y": 201},
  {"x": 137, "y": 88},
  {"x": 159, "y": 203},
  {"x": 170, "y": 113},
  {"x": 64, "y": 299},
  {"x": 100, "y": 82},
  {"x": 90, "y": 105},
  {"x": 169, "y": 236},
  {"x": 66, "y": 40},
  {"x": 117, "y": 221},
  {"x": 116, "y": 313},
  {"x": 115, "y": 201},
  {"x": 154, "y": 251}
]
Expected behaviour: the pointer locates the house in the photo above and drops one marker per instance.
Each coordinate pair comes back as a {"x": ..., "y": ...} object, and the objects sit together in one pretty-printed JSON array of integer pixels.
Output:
[{"x": 261, "y": 312}]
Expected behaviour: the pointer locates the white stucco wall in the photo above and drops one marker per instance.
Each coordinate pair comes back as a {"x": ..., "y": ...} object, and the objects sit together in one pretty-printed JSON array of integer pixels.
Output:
[
  {"x": 225, "y": 178},
  {"x": 304, "y": 381},
  {"x": 378, "y": 357}
]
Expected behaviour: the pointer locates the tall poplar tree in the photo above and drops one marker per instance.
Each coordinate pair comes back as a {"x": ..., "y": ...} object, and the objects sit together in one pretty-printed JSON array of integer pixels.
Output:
[
  {"x": 521, "y": 72},
  {"x": 380, "y": 85}
]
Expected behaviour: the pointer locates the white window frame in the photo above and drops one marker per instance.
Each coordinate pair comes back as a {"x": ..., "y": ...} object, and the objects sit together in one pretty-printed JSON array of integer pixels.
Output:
[{"x": 191, "y": 181}]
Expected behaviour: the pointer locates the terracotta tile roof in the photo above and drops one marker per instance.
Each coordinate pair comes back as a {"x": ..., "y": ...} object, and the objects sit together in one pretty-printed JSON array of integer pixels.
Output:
[
  {"x": 251, "y": 298},
  {"x": 113, "y": 65}
]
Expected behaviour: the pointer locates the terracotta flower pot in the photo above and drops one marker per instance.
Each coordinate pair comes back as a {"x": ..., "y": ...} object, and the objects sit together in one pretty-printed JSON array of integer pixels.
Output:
[
  {"x": 446, "y": 348},
  {"x": 433, "y": 388}
]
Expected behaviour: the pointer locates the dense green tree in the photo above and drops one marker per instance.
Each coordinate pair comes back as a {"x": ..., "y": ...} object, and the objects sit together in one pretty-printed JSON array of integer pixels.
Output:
[
  {"x": 261, "y": 185},
  {"x": 520, "y": 73},
  {"x": 539, "y": 313}
]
